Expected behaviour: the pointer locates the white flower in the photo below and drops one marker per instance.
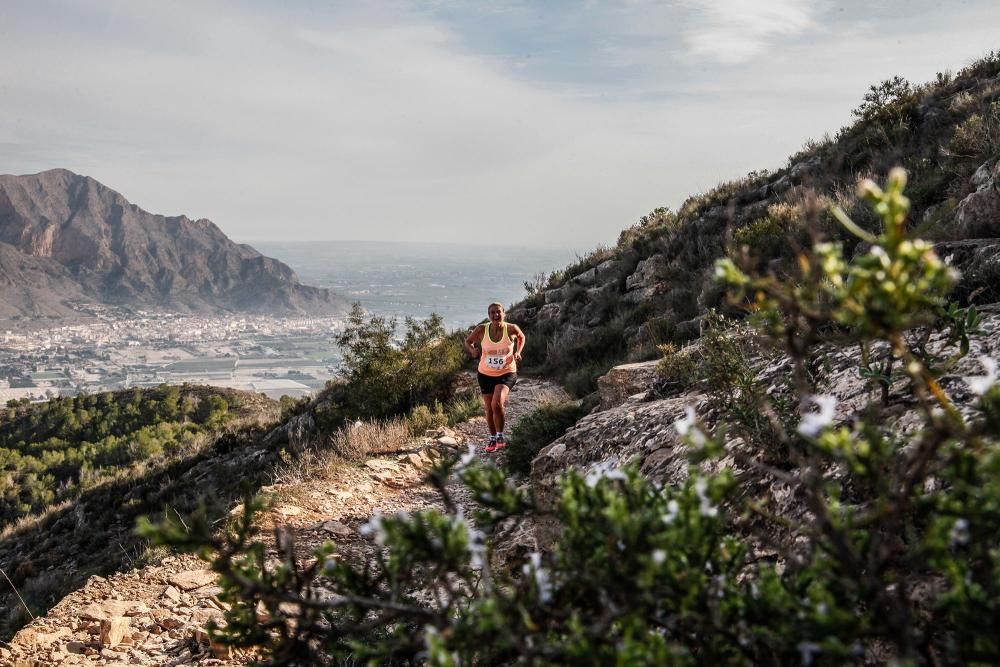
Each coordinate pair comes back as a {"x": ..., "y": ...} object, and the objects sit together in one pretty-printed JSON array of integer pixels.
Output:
[
  {"x": 959, "y": 535},
  {"x": 808, "y": 650},
  {"x": 980, "y": 384},
  {"x": 814, "y": 422},
  {"x": 705, "y": 504},
  {"x": 542, "y": 579},
  {"x": 467, "y": 458},
  {"x": 374, "y": 528},
  {"x": 604, "y": 470},
  {"x": 688, "y": 428},
  {"x": 672, "y": 509},
  {"x": 659, "y": 556}
]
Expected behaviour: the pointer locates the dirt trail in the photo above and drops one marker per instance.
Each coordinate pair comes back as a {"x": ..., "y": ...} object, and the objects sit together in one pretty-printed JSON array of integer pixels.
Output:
[{"x": 156, "y": 615}]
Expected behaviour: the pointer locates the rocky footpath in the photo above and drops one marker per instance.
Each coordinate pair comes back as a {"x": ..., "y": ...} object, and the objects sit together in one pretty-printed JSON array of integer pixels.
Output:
[{"x": 158, "y": 614}]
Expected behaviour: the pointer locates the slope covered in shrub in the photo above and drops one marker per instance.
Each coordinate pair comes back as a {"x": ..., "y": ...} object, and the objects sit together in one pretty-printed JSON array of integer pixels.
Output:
[{"x": 653, "y": 287}]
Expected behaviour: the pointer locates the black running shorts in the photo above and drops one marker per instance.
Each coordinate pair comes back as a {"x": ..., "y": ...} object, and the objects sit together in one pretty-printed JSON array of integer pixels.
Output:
[{"x": 487, "y": 383}]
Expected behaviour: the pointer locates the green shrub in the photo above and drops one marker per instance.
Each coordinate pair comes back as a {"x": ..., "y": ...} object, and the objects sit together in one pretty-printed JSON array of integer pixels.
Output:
[
  {"x": 776, "y": 236},
  {"x": 977, "y": 138},
  {"x": 882, "y": 549},
  {"x": 383, "y": 377},
  {"x": 464, "y": 406},
  {"x": 537, "y": 429},
  {"x": 50, "y": 451},
  {"x": 423, "y": 418},
  {"x": 884, "y": 99},
  {"x": 677, "y": 365}
]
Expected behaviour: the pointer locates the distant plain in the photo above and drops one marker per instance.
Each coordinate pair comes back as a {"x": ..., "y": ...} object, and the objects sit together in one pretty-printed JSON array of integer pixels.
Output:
[{"x": 457, "y": 281}]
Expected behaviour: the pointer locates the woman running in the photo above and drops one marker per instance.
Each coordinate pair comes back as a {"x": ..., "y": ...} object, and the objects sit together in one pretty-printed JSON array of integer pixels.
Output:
[{"x": 500, "y": 345}]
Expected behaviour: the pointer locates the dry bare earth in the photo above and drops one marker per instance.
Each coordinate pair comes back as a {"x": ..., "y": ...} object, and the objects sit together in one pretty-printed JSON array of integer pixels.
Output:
[{"x": 157, "y": 615}]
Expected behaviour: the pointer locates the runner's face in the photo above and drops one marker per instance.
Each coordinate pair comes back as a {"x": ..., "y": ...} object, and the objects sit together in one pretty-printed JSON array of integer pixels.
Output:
[{"x": 496, "y": 314}]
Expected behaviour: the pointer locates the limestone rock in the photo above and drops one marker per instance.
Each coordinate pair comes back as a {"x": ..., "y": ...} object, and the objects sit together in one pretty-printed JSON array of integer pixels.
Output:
[
  {"x": 642, "y": 294},
  {"x": 978, "y": 215},
  {"x": 550, "y": 311},
  {"x": 114, "y": 629},
  {"x": 607, "y": 268},
  {"x": 647, "y": 273},
  {"x": 587, "y": 278},
  {"x": 288, "y": 510},
  {"x": 626, "y": 380},
  {"x": 335, "y": 527},
  {"x": 978, "y": 261},
  {"x": 192, "y": 579},
  {"x": 555, "y": 295},
  {"x": 447, "y": 441}
]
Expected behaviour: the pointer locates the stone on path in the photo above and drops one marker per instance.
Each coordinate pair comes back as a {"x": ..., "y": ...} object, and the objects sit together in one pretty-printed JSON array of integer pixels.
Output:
[
  {"x": 113, "y": 629},
  {"x": 192, "y": 579}
]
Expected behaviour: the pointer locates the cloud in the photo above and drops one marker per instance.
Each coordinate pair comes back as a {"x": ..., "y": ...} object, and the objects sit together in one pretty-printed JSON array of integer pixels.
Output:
[
  {"x": 735, "y": 31},
  {"x": 311, "y": 121}
]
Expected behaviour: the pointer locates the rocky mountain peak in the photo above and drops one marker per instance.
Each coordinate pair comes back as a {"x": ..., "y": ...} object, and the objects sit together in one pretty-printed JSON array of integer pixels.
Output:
[{"x": 117, "y": 253}]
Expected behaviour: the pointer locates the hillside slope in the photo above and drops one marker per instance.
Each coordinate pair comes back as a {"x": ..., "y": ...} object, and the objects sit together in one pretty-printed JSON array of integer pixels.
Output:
[
  {"x": 66, "y": 238},
  {"x": 619, "y": 303}
]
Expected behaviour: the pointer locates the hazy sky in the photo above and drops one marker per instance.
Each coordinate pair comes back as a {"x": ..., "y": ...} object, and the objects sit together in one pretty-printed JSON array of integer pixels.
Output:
[{"x": 515, "y": 122}]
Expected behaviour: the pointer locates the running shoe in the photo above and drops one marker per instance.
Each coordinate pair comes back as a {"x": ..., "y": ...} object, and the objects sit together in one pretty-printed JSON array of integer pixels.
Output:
[
  {"x": 491, "y": 445},
  {"x": 498, "y": 445}
]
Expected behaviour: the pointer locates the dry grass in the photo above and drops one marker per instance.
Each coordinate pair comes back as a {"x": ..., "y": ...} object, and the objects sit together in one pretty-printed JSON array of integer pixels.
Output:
[
  {"x": 364, "y": 439},
  {"x": 355, "y": 442}
]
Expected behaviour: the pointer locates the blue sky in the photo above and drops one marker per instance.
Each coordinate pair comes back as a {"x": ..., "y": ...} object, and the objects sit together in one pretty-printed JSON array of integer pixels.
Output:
[{"x": 537, "y": 123}]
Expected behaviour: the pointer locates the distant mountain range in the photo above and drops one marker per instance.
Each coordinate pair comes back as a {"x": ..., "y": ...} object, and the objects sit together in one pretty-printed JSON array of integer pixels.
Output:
[{"x": 67, "y": 239}]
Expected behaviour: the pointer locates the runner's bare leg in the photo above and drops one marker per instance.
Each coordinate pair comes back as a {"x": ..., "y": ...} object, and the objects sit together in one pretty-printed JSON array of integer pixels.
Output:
[
  {"x": 500, "y": 407},
  {"x": 488, "y": 406}
]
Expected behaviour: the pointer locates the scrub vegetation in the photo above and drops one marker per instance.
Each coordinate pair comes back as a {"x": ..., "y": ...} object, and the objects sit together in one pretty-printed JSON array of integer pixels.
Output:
[
  {"x": 887, "y": 554},
  {"x": 941, "y": 132},
  {"x": 52, "y": 451}
]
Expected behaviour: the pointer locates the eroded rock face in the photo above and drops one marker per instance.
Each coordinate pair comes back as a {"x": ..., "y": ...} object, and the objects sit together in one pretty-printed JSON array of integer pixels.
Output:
[
  {"x": 647, "y": 273},
  {"x": 978, "y": 261},
  {"x": 621, "y": 382},
  {"x": 641, "y": 429},
  {"x": 978, "y": 215}
]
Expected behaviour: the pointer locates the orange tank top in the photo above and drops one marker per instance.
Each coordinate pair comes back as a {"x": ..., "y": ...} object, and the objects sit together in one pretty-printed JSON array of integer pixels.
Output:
[{"x": 497, "y": 357}]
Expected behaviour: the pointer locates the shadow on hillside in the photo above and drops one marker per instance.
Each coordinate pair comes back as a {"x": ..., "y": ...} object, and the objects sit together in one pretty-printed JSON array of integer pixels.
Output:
[{"x": 55, "y": 554}]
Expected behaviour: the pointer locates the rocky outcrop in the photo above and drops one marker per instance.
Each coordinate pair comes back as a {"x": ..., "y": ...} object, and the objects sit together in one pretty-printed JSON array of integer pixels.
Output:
[
  {"x": 622, "y": 382},
  {"x": 641, "y": 430},
  {"x": 66, "y": 237},
  {"x": 978, "y": 261},
  {"x": 978, "y": 214}
]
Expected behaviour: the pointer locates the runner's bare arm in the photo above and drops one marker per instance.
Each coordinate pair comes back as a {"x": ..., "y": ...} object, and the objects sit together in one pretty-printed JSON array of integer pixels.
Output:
[
  {"x": 472, "y": 339},
  {"x": 519, "y": 340}
]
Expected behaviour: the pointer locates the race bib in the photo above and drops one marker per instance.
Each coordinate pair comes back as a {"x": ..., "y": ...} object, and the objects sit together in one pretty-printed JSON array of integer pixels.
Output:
[{"x": 495, "y": 362}]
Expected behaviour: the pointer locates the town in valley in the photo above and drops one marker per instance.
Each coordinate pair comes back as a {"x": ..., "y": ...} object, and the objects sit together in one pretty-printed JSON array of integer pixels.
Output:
[{"x": 111, "y": 348}]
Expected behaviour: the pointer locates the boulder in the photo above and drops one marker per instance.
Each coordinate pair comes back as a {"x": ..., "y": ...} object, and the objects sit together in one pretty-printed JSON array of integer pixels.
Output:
[
  {"x": 626, "y": 380},
  {"x": 978, "y": 215},
  {"x": 550, "y": 311},
  {"x": 647, "y": 273},
  {"x": 586, "y": 279},
  {"x": 554, "y": 295},
  {"x": 113, "y": 630},
  {"x": 607, "y": 268},
  {"x": 192, "y": 579},
  {"x": 978, "y": 262},
  {"x": 637, "y": 296}
]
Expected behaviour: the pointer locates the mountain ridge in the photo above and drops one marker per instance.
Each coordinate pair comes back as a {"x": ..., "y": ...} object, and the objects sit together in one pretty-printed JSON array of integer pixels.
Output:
[{"x": 83, "y": 241}]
